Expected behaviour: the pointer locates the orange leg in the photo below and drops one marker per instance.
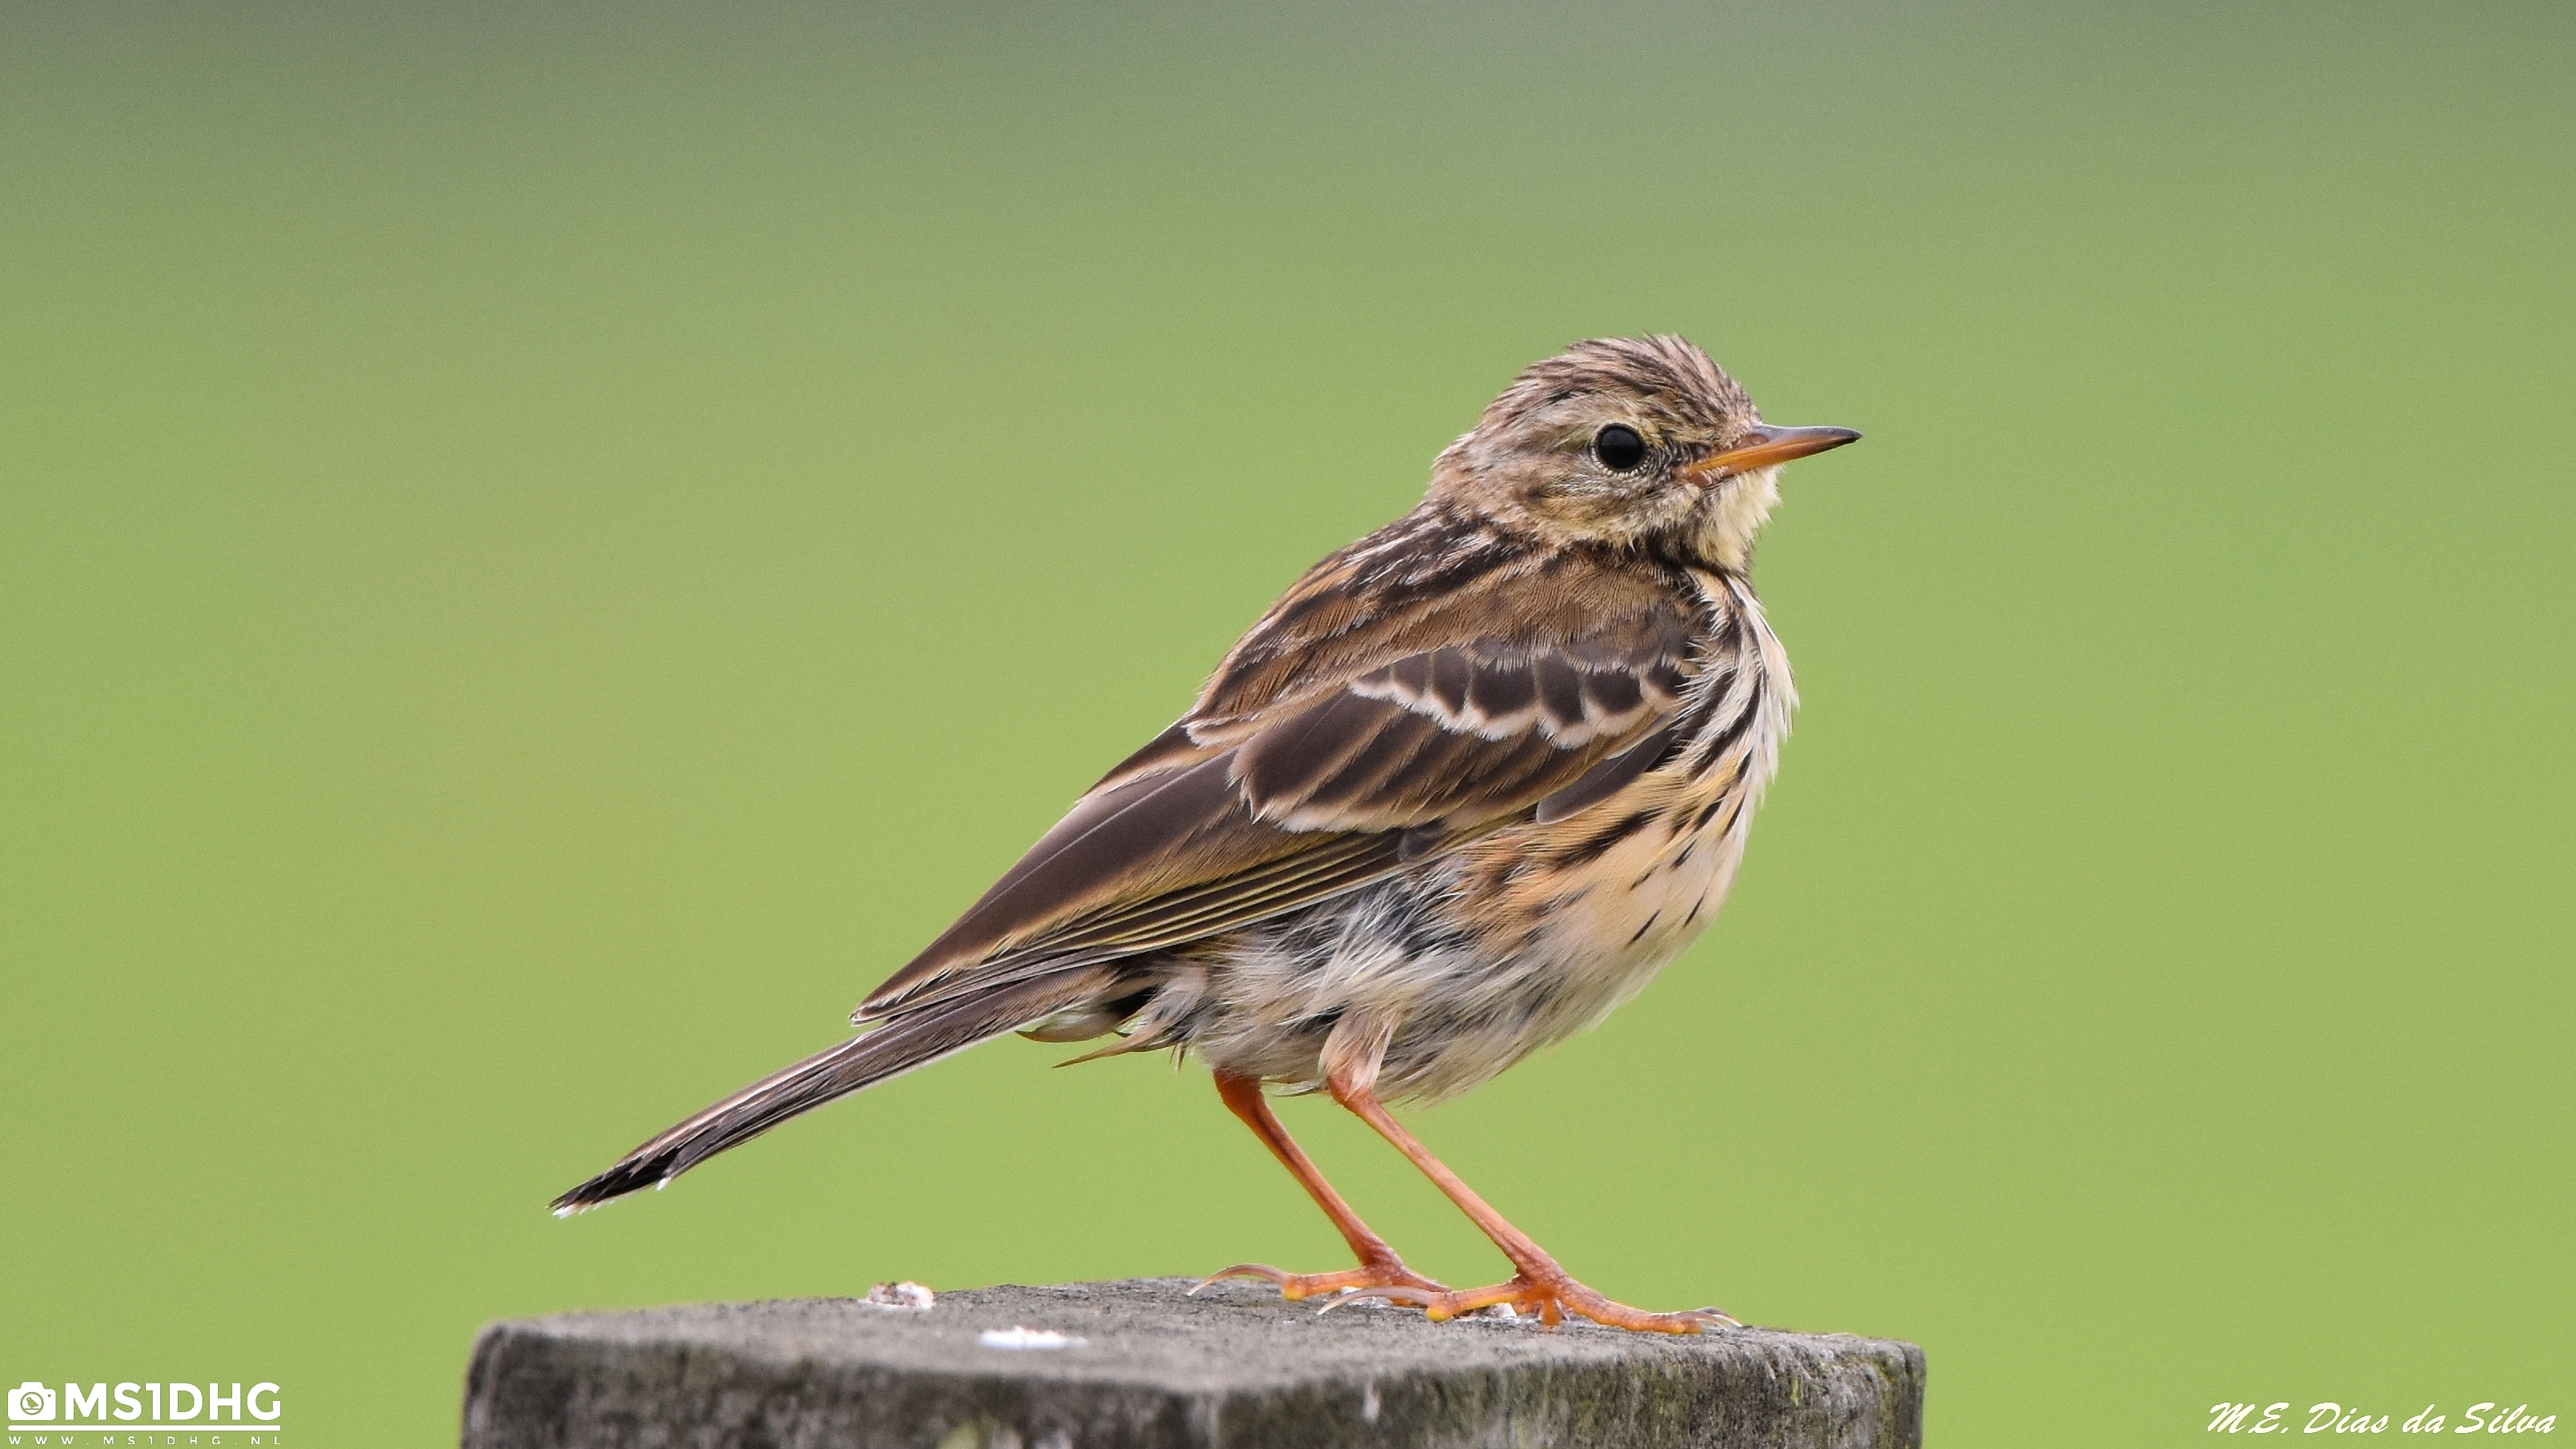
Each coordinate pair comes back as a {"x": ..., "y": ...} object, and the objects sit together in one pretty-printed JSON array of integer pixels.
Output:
[
  {"x": 1379, "y": 1266},
  {"x": 1538, "y": 1286}
]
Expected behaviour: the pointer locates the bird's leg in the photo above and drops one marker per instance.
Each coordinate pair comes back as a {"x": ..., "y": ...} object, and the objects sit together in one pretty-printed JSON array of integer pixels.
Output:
[
  {"x": 1379, "y": 1266},
  {"x": 1538, "y": 1286}
]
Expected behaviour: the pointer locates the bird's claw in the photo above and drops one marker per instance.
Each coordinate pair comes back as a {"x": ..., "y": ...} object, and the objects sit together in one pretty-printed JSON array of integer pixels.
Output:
[
  {"x": 1393, "y": 1293},
  {"x": 1362, "y": 1280},
  {"x": 1548, "y": 1299}
]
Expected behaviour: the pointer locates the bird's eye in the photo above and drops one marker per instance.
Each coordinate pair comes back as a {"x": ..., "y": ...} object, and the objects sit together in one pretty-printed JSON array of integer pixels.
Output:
[{"x": 1618, "y": 447}]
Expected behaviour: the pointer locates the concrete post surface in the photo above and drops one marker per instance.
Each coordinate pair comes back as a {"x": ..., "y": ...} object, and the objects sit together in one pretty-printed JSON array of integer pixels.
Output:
[{"x": 1139, "y": 1363}]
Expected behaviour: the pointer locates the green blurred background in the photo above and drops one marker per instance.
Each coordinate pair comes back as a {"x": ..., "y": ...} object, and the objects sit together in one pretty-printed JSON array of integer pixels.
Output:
[{"x": 543, "y": 551}]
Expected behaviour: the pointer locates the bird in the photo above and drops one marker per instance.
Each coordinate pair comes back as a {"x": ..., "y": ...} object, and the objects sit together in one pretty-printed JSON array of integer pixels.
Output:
[{"x": 1460, "y": 793}]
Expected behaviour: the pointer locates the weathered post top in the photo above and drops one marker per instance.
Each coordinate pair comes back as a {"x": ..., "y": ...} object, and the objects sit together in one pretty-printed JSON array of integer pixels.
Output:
[{"x": 1140, "y": 1363}]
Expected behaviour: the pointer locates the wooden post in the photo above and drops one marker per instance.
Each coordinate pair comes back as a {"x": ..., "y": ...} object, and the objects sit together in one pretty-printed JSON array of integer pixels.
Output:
[{"x": 1140, "y": 1363}]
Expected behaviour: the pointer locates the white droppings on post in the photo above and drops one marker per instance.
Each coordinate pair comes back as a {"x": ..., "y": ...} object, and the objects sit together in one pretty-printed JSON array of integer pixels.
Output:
[
  {"x": 1017, "y": 1337},
  {"x": 904, "y": 1297}
]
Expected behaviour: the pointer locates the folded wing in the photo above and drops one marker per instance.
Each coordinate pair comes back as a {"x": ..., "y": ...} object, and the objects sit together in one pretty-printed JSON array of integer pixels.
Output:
[{"x": 1366, "y": 722}]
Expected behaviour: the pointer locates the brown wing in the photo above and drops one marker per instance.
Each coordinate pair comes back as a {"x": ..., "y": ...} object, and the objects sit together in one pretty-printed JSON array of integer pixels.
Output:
[{"x": 1423, "y": 686}]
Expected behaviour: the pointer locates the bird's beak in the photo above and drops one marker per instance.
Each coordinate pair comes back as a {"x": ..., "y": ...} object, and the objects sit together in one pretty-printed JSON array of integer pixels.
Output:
[{"x": 1767, "y": 445}]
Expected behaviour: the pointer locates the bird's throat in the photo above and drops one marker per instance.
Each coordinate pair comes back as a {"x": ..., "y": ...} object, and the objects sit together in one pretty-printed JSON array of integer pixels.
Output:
[{"x": 1731, "y": 516}]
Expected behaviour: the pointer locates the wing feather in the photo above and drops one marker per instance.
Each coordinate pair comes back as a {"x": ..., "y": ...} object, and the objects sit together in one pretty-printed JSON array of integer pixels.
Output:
[{"x": 1382, "y": 711}]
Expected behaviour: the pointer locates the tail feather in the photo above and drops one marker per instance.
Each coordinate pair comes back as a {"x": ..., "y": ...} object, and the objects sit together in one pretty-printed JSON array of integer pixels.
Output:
[{"x": 902, "y": 1044}]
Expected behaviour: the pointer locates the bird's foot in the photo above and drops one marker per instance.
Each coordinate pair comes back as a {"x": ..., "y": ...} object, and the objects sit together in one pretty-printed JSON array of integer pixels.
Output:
[
  {"x": 1369, "y": 1277},
  {"x": 1547, "y": 1296}
]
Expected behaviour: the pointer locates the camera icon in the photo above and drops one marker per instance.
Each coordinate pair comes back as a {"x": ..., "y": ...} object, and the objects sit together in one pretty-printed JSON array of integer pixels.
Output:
[{"x": 31, "y": 1402}]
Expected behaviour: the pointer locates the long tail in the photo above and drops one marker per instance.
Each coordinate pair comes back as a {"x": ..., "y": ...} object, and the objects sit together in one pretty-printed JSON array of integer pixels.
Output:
[{"x": 900, "y": 1045}]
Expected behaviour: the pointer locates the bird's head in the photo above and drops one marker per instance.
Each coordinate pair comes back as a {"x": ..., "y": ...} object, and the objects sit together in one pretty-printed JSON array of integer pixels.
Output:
[{"x": 1625, "y": 441}]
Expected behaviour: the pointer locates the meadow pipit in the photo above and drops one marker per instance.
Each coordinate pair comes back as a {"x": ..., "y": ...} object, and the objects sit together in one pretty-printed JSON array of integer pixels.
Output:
[{"x": 1460, "y": 793}]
